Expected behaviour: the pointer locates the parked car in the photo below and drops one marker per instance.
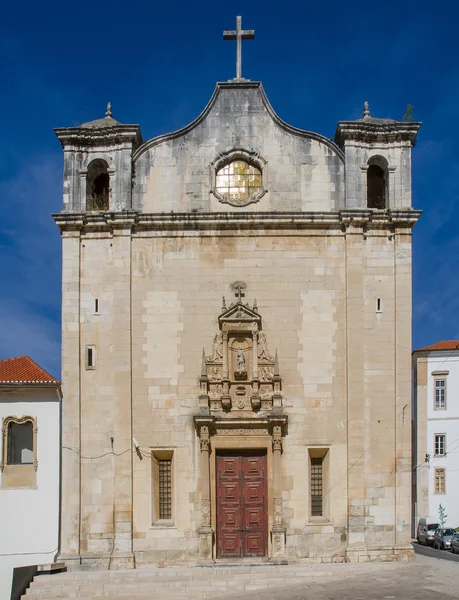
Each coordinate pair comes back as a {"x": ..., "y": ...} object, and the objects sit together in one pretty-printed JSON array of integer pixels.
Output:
[
  {"x": 455, "y": 543},
  {"x": 442, "y": 538},
  {"x": 426, "y": 530}
]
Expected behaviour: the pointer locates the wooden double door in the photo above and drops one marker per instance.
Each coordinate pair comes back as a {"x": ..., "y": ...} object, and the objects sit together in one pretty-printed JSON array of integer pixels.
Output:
[{"x": 242, "y": 504}]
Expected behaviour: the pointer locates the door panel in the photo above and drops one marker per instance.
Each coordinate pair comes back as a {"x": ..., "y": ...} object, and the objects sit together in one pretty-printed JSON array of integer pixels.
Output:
[{"x": 242, "y": 499}]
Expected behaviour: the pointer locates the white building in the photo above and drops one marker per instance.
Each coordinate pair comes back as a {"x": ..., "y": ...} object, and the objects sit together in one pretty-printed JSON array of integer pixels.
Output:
[
  {"x": 436, "y": 431},
  {"x": 29, "y": 466}
]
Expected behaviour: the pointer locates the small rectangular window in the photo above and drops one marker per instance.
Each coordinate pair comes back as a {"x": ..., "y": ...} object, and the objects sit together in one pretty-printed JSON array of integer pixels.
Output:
[
  {"x": 165, "y": 488},
  {"x": 316, "y": 487},
  {"x": 440, "y": 444},
  {"x": 90, "y": 357},
  {"x": 162, "y": 486},
  {"x": 378, "y": 305},
  {"x": 440, "y": 393},
  {"x": 96, "y": 306},
  {"x": 439, "y": 481}
]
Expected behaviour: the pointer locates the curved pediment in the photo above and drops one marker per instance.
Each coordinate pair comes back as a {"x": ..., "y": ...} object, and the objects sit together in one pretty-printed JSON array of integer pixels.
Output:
[
  {"x": 236, "y": 109},
  {"x": 298, "y": 170}
]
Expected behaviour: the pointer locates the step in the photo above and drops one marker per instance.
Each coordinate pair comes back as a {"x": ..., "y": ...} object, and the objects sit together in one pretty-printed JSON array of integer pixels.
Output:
[{"x": 184, "y": 583}]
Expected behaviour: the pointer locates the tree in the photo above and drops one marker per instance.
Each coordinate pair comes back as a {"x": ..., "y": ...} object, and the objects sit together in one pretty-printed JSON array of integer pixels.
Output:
[{"x": 441, "y": 515}]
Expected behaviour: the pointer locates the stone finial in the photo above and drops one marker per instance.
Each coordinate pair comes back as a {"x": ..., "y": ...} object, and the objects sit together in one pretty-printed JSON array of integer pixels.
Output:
[
  {"x": 108, "y": 112},
  {"x": 276, "y": 366},
  {"x": 255, "y": 306},
  {"x": 366, "y": 110},
  {"x": 203, "y": 367},
  {"x": 223, "y": 303}
]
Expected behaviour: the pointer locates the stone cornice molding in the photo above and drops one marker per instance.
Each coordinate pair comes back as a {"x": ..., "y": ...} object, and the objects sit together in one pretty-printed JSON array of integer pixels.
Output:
[
  {"x": 275, "y": 424},
  {"x": 371, "y": 131},
  {"x": 75, "y": 138},
  {"x": 167, "y": 222},
  {"x": 235, "y": 85}
]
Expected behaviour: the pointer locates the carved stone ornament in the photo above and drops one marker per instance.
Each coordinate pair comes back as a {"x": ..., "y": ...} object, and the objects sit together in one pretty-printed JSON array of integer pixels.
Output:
[
  {"x": 277, "y": 444},
  {"x": 205, "y": 444},
  {"x": 205, "y": 510},
  {"x": 278, "y": 520},
  {"x": 240, "y": 374}
]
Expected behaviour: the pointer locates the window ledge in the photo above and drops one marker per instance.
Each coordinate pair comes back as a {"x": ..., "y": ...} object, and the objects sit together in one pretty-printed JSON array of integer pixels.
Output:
[
  {"x": 319, "y": 521},
  {"x": 163, "y": 524}
]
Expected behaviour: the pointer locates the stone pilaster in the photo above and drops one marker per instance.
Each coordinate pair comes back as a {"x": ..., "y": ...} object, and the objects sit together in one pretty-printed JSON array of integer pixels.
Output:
[
  {"x": 70, "y": 498},
  {"x": 356, "y": 417},
  {"x": 278, "y": 530},
  {"x": 403, "y": 322},
  {"x": 205, "y": 531}
]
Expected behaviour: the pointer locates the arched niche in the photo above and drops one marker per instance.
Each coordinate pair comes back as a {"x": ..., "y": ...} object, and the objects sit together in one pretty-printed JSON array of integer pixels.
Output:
[
  {"x": 97, "y": 186},
  {"x": 377, "y": 183}
]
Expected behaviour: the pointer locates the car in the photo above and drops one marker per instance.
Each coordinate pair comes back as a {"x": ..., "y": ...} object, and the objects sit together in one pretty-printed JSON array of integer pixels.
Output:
[
  {"x": 442, "y": 538},
  {"x": 426, "y": 530},
  {"x": 455, "y": 543}
]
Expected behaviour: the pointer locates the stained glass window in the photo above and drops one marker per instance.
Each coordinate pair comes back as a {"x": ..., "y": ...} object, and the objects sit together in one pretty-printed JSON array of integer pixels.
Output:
[{"x": 238, "y": 181}]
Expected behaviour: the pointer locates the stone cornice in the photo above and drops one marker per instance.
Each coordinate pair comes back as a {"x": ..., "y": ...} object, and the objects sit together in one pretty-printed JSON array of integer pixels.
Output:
[
  {"x": 341, "y": 220},
  {"x": 373, "y": 131},
  {"x": 242, "y": 423},
  {"x": 81, "y": 137}
]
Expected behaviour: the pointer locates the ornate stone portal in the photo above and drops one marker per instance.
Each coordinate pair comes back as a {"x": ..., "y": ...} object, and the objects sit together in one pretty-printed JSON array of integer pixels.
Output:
[{"x": 240, "y": 395}]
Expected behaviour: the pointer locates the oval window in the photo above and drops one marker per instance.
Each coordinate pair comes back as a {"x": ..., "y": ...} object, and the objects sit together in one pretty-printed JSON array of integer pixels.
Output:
[{"x": 238, "y": 182}]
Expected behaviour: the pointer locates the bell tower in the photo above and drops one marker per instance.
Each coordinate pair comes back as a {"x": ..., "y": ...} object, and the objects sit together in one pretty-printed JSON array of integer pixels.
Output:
[
  {"x": 377, "y": 161},
  {"x": 98, "y": 164}
]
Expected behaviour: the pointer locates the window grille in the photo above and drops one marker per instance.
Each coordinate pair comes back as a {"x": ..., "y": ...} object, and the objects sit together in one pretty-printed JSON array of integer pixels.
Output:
[
  {"x": 440, "y": 440},
  {"x": 440, "y": 393},
  {"x": 316, "y": 487},
  {"x": 439, "y": 481},
  {"x": 238, "y": 181},
  {"x": 165, "y": 488}
]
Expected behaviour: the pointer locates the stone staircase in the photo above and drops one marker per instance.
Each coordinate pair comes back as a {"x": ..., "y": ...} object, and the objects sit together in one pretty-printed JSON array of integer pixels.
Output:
[{"x": 186, "y": 583}]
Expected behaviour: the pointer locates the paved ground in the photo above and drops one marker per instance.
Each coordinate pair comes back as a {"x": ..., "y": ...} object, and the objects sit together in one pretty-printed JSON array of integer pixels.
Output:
[{"x": 424, "y": 579}]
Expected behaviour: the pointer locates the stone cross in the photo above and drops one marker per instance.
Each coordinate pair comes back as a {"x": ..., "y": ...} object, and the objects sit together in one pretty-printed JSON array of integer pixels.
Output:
[{"x": 239, "y": 35}]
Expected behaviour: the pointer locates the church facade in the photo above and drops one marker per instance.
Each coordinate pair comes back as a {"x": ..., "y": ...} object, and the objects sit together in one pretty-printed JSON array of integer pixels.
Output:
[{"x": 236, "y": 339}]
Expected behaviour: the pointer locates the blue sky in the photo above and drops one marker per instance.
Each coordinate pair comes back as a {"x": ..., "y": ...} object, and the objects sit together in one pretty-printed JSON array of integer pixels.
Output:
[{"x": 158, "y": 63}]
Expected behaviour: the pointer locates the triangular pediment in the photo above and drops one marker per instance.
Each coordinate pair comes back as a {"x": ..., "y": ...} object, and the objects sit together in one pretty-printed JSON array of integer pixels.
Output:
[{"x": 240, "y": 312}]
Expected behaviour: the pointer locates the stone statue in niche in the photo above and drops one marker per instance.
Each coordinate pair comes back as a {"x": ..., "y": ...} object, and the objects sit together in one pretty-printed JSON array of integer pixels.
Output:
[{"x": 240, "y": 359}]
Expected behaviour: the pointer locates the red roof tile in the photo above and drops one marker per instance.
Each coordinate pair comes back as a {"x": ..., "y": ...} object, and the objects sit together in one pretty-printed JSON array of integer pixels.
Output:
[
  {"x": 444, "y": 345},
  {"x": 22, "y": 369}
]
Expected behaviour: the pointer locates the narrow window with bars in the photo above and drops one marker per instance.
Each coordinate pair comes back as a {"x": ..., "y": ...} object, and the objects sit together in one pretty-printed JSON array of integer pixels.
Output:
[
  {"x": 439, "y": 481},
  {"x": 162, "y": 487},
  {"x": 440, "y": 393},
  {"x": 165, "y": 488},
  {"x": 440, "y": 444},
  {"x": 316, "y": 487}
]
